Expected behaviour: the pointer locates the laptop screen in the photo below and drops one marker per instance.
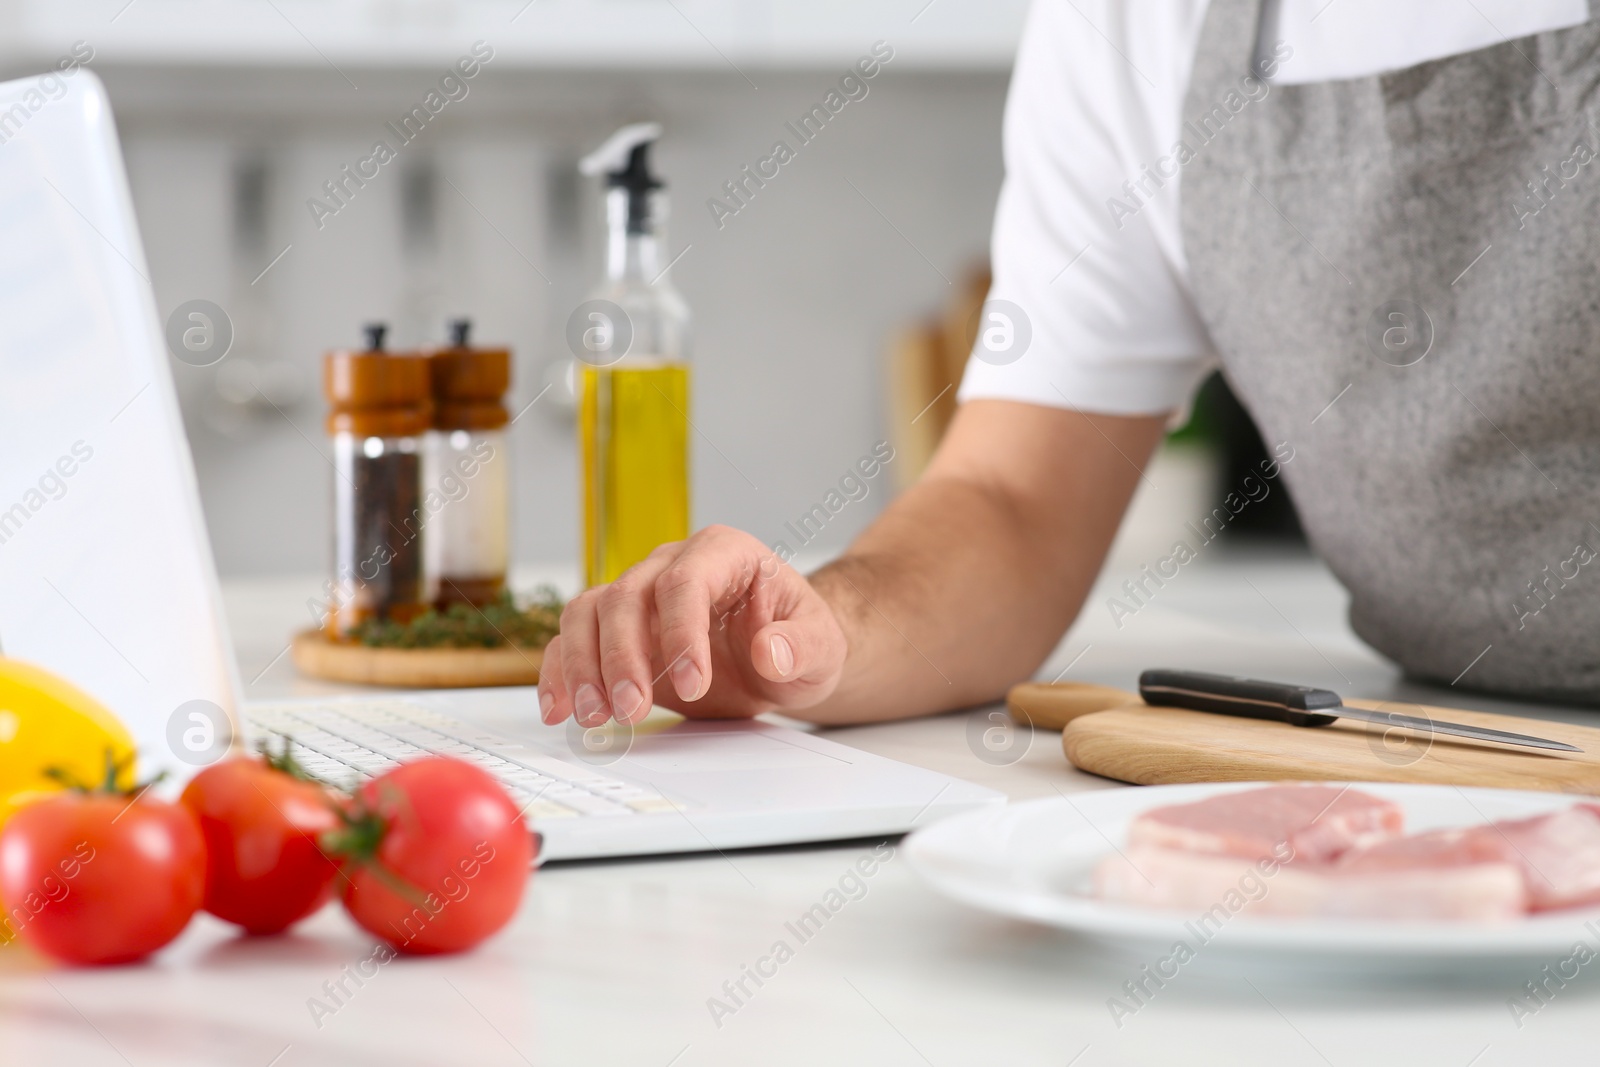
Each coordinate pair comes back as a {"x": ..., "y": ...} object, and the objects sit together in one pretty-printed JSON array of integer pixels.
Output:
[{"x": 106, "y": 576}]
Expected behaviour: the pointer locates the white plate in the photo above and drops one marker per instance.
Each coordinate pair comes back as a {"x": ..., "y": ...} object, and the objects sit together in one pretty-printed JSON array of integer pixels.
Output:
[{"x": 1032, "y": 861}]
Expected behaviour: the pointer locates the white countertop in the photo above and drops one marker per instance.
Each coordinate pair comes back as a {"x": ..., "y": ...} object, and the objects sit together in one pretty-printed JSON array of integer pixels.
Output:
[{"x": 613, "y": 962}]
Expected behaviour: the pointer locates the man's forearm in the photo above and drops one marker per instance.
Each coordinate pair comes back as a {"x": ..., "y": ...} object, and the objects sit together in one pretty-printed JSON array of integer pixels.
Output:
[{"x": 916, "y": 598}]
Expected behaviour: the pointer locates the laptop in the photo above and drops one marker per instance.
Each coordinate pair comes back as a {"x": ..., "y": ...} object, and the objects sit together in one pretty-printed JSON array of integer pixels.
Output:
[{"x": 106, "y": 574}]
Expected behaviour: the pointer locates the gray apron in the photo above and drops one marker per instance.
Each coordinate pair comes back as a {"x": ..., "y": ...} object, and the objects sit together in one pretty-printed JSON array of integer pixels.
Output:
[{"x": 1399, "y": 275}]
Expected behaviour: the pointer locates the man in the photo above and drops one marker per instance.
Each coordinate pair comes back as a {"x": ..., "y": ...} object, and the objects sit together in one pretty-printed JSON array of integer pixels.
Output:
[{"x": 1375, "y": 215}]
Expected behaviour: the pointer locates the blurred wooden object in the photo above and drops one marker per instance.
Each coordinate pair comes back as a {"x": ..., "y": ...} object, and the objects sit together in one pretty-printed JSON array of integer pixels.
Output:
[
  {"x": 415, "y": 668},
  {"x": 1051, "y": 705},
  {"x": 925, "y": 365},
  {"x": 1161, "y": 746}
]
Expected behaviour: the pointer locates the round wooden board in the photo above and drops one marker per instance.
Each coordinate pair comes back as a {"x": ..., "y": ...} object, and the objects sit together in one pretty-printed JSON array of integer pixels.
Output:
[
  {"x": 1151, "y": 746},
  {"x": 415, "y": 668}
]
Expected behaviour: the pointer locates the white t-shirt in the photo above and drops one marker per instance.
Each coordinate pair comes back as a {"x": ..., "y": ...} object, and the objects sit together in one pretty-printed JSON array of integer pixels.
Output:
[{"x": 1094, "y": 265}]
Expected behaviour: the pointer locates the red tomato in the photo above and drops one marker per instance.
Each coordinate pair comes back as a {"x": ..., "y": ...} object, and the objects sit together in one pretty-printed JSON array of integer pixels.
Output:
[
  {"x": 437, "y": 856},
  {"x": 100, "y": 877},
  {"x": 264, "y": 870}
]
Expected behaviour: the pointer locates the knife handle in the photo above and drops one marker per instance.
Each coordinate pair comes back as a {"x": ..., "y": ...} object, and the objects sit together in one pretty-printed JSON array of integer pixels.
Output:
[{"x": 1225, "y": 695}]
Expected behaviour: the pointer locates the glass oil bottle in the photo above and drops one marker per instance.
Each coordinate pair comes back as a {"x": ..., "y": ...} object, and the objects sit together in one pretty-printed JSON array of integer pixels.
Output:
[{"x": 633, "y": 388}]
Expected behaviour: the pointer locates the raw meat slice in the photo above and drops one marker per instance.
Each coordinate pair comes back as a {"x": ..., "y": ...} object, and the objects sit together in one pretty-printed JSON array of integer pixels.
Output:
[
  {"x": 1307, "y": 822},
  {"x": 1214, "y": 888},
  {"x": 1436, "y": 848},
  {"x": 1558, "y": 854}
]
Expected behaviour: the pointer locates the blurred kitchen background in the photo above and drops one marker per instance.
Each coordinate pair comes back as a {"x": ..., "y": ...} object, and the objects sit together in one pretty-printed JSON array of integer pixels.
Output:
[{"x": 819, "y": 308}]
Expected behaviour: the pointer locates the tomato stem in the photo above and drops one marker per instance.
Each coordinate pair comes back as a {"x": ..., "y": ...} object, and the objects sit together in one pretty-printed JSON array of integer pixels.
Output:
[
  {"x": 284, "y": 760},
  {"x": 358, "y": 839},
  {"x": 357, "y": 842},
  {"x": 115, "y": 769}
]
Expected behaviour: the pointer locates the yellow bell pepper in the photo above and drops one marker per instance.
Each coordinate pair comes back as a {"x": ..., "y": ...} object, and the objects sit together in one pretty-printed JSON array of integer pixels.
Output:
[{"x": 48, "y": 723}]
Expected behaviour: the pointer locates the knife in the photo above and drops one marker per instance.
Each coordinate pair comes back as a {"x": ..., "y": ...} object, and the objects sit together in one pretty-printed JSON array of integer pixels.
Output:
[{"x": 1300, "y": 705}]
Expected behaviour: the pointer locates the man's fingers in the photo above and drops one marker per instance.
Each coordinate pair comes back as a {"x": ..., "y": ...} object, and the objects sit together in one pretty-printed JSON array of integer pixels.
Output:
[
  {"x": 554, "y": 703},
  {"x": 625, "y": 639},
  {"x": 580, "y": 659},
  {"x": 773, "y": 654},
  {"x": 714, "y": 560},
  {"x": 667, "y": 613},
  {"x": 683, "y": 608},
  {"x": 801, "y": 652},
  {"x": 719, "y": 575}
]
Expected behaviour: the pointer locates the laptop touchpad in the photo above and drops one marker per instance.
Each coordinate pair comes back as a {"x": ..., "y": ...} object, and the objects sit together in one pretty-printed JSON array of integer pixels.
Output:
[{"x": 702, "y": 752}]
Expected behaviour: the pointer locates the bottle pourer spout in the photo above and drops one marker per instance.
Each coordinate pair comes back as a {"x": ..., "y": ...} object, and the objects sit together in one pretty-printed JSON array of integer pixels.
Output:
[
  {"x": 375, "y": 332},
  {"x": 625, "y": 161},
  {"x": 460, "y": 331}
]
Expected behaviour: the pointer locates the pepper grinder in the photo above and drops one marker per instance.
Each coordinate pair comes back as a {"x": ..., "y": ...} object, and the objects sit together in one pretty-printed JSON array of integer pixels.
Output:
[{"x": 379, "y": 409}]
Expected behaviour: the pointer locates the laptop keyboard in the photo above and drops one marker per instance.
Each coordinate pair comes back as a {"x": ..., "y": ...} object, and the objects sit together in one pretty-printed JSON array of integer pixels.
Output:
[{"x": 347, "y": 743}]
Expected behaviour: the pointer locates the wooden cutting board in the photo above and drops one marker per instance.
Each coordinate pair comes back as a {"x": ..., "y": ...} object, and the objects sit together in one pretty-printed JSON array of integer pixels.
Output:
[
  {"x": 1150, "y": 746},
  {"x": 1051, "y": 705}
]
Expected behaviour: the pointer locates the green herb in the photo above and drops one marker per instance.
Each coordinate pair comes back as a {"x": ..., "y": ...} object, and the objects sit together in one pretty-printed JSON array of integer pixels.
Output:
[{"x": 495, "y": 625}]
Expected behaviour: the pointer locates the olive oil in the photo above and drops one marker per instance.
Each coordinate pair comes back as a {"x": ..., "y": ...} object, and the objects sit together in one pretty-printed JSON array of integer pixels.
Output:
[{"x": 633, "y": 429}]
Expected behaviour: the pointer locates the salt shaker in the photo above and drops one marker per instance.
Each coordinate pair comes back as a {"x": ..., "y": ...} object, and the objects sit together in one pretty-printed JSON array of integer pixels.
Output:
[{"x": 467, "y": 484}]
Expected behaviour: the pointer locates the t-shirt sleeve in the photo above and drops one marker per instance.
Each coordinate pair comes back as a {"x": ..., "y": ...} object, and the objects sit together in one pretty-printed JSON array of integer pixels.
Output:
[{"x": 1090, "y": 306}]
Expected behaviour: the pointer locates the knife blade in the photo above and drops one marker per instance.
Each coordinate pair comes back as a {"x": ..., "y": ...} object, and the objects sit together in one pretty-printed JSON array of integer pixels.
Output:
[{"x": 1301, "y": 705}]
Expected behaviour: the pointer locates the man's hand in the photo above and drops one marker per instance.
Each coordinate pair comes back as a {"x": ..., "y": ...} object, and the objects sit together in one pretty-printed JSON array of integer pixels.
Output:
[
  {"x": 960, "y": 588},
  {"x": 712, "y": 627}
]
